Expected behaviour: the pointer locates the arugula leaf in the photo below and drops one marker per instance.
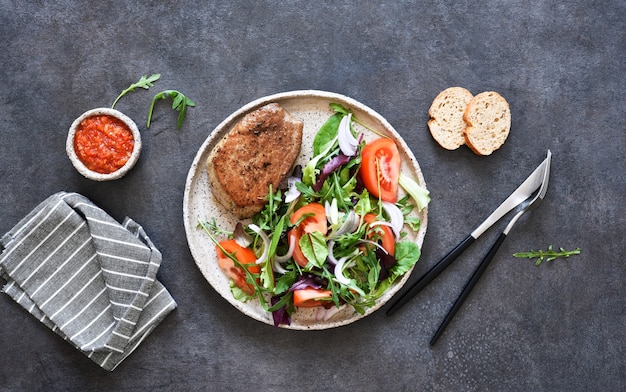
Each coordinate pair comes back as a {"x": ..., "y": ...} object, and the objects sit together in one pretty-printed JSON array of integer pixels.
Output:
[
  {"x": 278, "y": 229},
  {"x": 339, "y": 108},
  {"x": 547, "y": 255},
  {"x": 284, "y": 282},
  {"x": 364, "y": 204},
  {"x": 214, "y": 228},
  {"x": 413, "y": 222},
  {"x": 179, "y": 103},
  {"x": 144, "y": 82}
]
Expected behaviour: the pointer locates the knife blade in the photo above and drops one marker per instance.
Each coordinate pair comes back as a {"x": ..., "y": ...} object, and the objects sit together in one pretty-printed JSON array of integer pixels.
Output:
[{"x": 526, "y": 188}]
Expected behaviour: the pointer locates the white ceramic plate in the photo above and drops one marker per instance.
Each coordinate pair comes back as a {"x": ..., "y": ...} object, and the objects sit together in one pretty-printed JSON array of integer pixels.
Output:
[{"x": 312, "y": 107}]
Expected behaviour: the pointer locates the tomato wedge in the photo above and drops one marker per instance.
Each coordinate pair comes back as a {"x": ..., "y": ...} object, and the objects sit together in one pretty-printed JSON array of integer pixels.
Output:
[
  {"x": 383, "y": 233},
  {"x": 315, "y": 222},
  {"x": 244, "y": 256},
  {"x": 298, "y": 256},
  {"x": 310, "y": 297},
  {"x": 380, "y": 169}
]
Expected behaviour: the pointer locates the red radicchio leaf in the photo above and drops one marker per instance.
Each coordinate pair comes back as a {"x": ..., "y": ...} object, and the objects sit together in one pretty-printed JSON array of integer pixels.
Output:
[
  {"x": 386, "y": 262},
  {"x": 307, "y": 280},
  {"x": 328, "y": 168},
  {"x": 280, "y": 315}
]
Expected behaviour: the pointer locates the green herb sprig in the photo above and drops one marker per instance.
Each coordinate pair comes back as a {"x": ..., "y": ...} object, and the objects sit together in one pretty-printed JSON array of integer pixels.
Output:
[
  {"x": 144, "y": 82},
  {"x": 179, "y": 103},
  {"x": 547, "y": 255}
]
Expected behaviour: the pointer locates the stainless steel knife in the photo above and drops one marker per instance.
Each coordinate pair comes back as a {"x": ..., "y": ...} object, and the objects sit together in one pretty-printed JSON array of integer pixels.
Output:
[{"x": 523, "y": 192}]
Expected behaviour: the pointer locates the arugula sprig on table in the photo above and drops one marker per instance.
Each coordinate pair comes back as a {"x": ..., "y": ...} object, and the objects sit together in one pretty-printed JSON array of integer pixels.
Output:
[
  {"x": 547, "y": 255},
  {"x": 179, "y": 103},
  {"x": 144, "y": 82}
]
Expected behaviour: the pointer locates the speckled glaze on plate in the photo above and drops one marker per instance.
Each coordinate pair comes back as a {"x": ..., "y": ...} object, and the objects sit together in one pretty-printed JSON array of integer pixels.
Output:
[{"x": 312, "y": 107}]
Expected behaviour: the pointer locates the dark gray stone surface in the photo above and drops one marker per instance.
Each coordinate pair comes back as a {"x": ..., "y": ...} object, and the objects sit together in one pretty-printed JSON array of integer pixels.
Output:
[{"x": 559, "y": 326}]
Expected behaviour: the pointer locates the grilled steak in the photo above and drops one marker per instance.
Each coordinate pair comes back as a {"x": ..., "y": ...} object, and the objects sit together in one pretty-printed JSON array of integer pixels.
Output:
[{"x": 260, "y": 150}]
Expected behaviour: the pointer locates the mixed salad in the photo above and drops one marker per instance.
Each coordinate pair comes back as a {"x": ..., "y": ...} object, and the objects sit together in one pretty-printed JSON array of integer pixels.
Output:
[{"x": 335, "y": 237}]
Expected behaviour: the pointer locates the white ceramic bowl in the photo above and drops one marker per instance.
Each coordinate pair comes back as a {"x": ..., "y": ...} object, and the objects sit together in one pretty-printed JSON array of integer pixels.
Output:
[{"x": 80, "y": 166}]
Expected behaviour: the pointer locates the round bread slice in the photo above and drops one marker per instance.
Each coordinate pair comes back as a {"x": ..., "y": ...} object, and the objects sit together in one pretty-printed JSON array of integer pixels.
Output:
[
  {"x": 446, "y": 117},
  {"x": 488, "y": 120}
]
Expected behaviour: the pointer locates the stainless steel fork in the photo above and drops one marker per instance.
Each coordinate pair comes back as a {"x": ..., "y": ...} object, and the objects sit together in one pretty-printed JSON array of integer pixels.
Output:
[{"x": 532, "y": 202}]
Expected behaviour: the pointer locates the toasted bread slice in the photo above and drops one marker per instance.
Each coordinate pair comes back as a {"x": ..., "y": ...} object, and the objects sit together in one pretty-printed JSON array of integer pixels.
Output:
[
  {"x": 446, "y": 117},
  {"x": 488, "y": 120},
  {"x": 258, "y": 152}
]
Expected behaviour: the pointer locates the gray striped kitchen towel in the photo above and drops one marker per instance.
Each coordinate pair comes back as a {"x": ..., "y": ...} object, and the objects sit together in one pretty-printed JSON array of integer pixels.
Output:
[{"x": 87, "y": 277}]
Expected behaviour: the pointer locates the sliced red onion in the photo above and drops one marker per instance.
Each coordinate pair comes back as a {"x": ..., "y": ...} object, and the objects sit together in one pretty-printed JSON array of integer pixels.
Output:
[
  {"x": 266, "y": 242},
  {"x": 347, "y": 143},
  {"x": 307, "y": 280},
  {"x": 241, "y": 237},
  {"x": 331, "y": 256},
  {"x": 396, "y": 218},
  {"x": 349, "y": 225},
  {"x": 276, "y": 267},
  {"x": 293, "y": 192},
  {"x": 381, "y": 223},
  {"x": 324, "y": 314},
  {"x": 289, "y": 254},
  {"x": 332, "y": 212},
  {"x": 338, "y": 271},
  {"x": 376, "y": 244}
]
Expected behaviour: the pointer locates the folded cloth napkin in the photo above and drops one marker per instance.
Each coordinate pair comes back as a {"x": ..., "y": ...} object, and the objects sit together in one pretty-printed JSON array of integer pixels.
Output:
[{"x": 85, "y": 276}]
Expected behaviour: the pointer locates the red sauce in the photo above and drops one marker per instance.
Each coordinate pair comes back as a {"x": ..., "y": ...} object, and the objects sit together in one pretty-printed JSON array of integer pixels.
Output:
[{"x": 103, "y": 143}]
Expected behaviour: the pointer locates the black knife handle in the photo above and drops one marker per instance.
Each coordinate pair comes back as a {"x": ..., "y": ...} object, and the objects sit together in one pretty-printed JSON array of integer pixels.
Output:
[
  {"x": 430, "y": 275},
  {"x": 468, "y": 287}
]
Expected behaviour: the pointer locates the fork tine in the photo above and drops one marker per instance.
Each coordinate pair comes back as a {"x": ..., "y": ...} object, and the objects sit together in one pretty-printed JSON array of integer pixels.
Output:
[{"x": 534, "y": 202}]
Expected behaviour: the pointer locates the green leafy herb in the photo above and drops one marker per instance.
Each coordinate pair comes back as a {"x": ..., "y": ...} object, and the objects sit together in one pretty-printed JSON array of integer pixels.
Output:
[
  {"x": 418, "y": 193},
  {"x": 214, "y": 228},
  {"x": 179, "y": 103},
  {"x": 326, "y": 137},
  {"x": 314, "y": 248},
  {"x": 145, "y": 82},
  {"x": 547, "y": 255}
]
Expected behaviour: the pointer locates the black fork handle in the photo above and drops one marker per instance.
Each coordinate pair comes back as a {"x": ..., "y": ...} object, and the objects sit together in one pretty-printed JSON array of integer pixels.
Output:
[
  {"x": 468, "y": 287},
  {"x": 430, "y": 275}
]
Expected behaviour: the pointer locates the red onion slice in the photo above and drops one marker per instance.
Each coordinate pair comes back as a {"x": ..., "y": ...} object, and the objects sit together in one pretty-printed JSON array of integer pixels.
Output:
[
  {"x": 266, "y": 242},
  {"x": 289, "y": 254},
  {"x": 347, "y": 142},
  {"x": 396, "y": 218}
]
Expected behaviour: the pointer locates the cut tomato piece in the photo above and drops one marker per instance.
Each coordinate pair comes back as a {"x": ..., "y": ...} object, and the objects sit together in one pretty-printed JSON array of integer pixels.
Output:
[
  {"x": 298, "y": 256},
  {"x": 313, "y": 218},
  {"x": 383, "y": 233},
  {"x": 244, "y": 256},
  {"x": 380, "y": 169},
  {"x": 315, "y": 222},
  {"x": 310, "y": 297}
]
